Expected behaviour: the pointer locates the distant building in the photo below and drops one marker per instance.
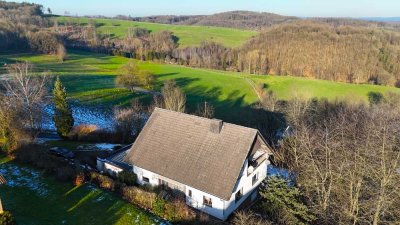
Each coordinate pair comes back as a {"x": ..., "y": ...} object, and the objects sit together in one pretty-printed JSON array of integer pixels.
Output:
[{"x": 217, "y": 166}]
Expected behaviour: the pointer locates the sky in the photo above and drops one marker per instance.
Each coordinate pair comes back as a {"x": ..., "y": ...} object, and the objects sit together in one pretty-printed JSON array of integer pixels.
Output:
[{"x": 301, "y": 8}]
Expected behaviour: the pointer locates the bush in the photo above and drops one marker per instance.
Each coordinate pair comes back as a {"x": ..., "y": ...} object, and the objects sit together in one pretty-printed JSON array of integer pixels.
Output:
[
  {"x": 138, "y": 196},
  {"x": 10, "y": 141},
  {"x": 282, "y": 204},
  {"x": 397, "y": 84},
  {"x": 79, "y": 179},
  {"x": 248, "y": 218},
  {"x": 103, "y": 181},
  {"x": 80, "y": 132},
  {"x": 127, "y": 177},
  {"x": 37, "y": 156},
  {"x": 177, "y": 211},
  {"x": 159, "y": 206},
  {"x": 6, "y": 218}
]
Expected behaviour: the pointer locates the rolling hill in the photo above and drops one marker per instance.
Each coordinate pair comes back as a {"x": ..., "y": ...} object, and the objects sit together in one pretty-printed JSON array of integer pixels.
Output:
[
  {"x": 89, "y": 78},
  {"x": 187, "y": 35}
]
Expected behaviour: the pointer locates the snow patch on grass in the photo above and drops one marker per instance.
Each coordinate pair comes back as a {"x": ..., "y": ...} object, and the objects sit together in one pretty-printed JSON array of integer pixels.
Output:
[
  {"x": 24, "y": 177},
  {"x": 82, "y": 115},
  {"x": 97, "y": 147}
]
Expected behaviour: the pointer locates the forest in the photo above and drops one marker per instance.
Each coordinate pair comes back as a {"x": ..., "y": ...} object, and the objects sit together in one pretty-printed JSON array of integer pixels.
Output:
[{"x": 23, "y": 28}]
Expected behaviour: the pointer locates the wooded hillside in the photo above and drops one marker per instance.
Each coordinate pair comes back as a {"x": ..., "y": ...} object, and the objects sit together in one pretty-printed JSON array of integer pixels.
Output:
[
  {"x": 233, "y": 19},
  {"x": 21, "y": 29},
  {"x": 340, "y": 53}
]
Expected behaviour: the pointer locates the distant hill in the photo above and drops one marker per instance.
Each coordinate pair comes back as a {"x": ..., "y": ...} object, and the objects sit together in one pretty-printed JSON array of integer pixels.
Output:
[
  {"x": 261, "y": 20},
  {"x": 233, "y": 19},
  {"x": 382, "y": 19}
]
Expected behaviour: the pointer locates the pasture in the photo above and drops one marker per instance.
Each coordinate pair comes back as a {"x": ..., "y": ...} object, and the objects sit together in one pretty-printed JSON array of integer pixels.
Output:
[
  {"x": 187, "y": 35},
  {"x": 89, "y": 78}
]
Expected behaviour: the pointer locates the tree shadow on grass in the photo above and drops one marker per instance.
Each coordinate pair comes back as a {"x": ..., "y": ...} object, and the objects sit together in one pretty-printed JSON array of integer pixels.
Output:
[{"x": 234, "y": 109}]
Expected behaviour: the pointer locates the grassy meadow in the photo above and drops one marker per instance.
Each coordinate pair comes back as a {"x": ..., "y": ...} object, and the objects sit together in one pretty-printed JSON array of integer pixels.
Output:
[
  {"x": 35, "y": 199},
  {"x": 89, "y": 78},
  {"x": 187, "y": 35}
]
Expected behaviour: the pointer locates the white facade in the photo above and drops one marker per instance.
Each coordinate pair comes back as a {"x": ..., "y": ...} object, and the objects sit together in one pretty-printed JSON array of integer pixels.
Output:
[
  {"x": 103, "y": 165},
  {"x": 219, "y": 208}
]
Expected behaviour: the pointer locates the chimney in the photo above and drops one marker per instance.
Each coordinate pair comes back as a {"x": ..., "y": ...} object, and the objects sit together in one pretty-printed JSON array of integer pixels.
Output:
[{"x": 216, "y": 126}]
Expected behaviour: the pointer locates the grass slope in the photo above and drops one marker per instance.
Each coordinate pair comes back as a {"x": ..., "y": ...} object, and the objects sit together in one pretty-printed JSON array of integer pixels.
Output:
[
  {"x": 90, "y": 78},
  {"x": 188, "y": 35},
  {"x": 35, "y": 199}
]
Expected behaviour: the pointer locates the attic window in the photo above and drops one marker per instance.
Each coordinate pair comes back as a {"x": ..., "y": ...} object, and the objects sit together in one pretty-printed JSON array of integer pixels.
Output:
[{"x": 207, "y": 201}]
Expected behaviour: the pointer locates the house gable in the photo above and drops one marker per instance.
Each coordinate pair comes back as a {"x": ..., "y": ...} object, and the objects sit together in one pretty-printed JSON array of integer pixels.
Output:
[{"x": 202, "y": 153}]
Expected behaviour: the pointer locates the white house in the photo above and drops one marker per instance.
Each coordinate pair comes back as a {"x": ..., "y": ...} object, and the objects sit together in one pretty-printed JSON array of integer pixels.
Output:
[{"x": 217, "y": 166}]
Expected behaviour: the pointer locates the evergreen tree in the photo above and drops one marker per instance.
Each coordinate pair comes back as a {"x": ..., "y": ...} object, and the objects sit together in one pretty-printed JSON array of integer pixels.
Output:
[
  {"x": 282, "y": 202},
  {"x": 63, "y": 114}
]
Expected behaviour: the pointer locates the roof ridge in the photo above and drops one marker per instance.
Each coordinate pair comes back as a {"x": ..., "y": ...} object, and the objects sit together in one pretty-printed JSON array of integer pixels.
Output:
[{"x": 203, "y": 118}]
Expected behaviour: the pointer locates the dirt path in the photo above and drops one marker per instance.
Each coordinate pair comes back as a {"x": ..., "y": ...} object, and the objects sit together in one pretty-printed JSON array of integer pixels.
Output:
[{"x": 254, "y": 86}]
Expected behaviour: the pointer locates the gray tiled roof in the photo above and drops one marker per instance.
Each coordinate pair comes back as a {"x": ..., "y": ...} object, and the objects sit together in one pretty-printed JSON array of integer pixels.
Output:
[
  {"x": 190, "y": 150},
  {"x": 118, "y": 158}
]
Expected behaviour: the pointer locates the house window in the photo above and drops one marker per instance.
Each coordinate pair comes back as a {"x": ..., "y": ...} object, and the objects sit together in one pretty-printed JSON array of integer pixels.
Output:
[
  {"x": 255, "y": 178},
  {"x": 239, "y": 195},
  {"x": 207, "y": 201},
  {"x": 190, "y": 193},
  {"x": 146, "y": 179}
]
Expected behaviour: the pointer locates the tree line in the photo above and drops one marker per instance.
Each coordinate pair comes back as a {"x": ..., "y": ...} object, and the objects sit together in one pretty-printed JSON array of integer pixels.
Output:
[
  {"x": 309, "y": 49},
  {"x": 329, "y": 49},
  {"x": 343, "y": 53},
  {"x": 345, "y": 158}
]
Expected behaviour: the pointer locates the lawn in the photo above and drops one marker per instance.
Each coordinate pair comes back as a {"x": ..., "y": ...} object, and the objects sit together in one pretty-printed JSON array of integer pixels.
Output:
[
  {"x": 188, "y": 35},
  {"x": 36, "y": 199},
  {"x": 89, "y": 78}
]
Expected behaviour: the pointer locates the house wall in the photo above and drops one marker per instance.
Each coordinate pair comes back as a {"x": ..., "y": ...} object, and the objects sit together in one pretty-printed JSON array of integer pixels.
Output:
[
  {"x": 103, "y": 165},
  {"x": 220, "y": 209},
  {"x": 245, "y": 182}
]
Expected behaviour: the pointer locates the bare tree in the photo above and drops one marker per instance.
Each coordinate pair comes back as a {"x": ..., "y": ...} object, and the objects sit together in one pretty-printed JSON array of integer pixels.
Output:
[
  {"x": 205, "y": 110},
  {"x": 248, "y": 218},
  {"x": 174, "y": 98},
  {"x": 128, "y": 122},
  {"x": 346, "y": 159},
  {"x": 61, "y": 53},
  {"x": 25, "y": 93}
]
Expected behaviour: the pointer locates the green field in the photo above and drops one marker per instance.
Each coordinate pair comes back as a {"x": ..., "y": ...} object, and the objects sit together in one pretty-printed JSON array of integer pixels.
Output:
[
  {"x": 36, "y": 199},
  {"x": 188, "y": 35},
  {"x": 90, "y": 78}
]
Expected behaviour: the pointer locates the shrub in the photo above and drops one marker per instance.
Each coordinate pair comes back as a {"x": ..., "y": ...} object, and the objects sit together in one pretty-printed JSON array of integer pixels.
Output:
[
  {"x": 82, "y": 131},
  {"x": 103, "y": 181},
  {"x": 177, "y": 211},
  {"x": 248, "y": 218},
  {"x": 159, "y": 206},
  {"x": 397, "y": 84},
  {"x": 6, "y": 218},
  {"x": 91, "y": 133},
  {"x": 127, "y": 177},
  {"x": 39, "y": 157},
  {"x": 79, "y": 179},
  {"x": 282, "y": 203},
  {"x": 138, "y": 196}
]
